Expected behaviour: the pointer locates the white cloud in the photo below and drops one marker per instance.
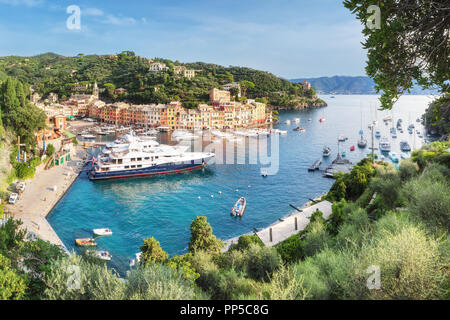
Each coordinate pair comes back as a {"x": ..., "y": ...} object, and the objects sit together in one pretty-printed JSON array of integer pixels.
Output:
[
  {"x": 92, "y": 12},
  {"x": 119, "y": 21}
]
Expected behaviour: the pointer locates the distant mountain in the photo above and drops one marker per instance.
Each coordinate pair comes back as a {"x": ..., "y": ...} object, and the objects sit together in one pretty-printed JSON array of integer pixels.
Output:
[{"x": 350, "y": 85}]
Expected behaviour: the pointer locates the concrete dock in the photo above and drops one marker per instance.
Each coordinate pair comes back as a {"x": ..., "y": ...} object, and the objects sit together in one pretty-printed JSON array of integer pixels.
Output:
[
  {"x": 282, "y": 230},
  {"x": 39, "y": 197}
]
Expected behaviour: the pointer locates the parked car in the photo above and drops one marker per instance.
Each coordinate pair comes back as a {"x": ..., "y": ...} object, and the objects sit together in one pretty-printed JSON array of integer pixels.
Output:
[
  {"x": 13, "y": 198},
  {"x": 21, "y": 186}
]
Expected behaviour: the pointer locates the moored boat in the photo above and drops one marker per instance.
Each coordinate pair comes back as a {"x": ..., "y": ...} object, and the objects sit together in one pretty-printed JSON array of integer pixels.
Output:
[
  {"x": 102, "y": 232},
  {"x": 404, "y": 146},
  {"x": 132, "y": 156},
  {"x": 385, "y": 145},
  {"x": 377, "y": 134},
  {"x": 239, "y": 207},
  {"x": 103, "y": 255},
  {"x": 326, "y": 151},
  {"x": 394, "y": 157},
  {"x": 85, "y": 242}
]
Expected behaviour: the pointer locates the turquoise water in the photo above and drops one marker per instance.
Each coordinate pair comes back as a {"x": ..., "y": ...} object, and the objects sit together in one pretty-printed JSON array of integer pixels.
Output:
[{"x": 163, "y": 207}]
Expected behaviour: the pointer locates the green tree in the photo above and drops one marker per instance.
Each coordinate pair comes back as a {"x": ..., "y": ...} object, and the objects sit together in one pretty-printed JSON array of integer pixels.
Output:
[
  {"x": 152, "y": 252},
  {"x": 12, "y": 284},
  {"x": 49, "y": 150},
  {"x": 245, "y": 85},
  {"x": 411, "y": 44},
  {"x": 202, "y": 237}
]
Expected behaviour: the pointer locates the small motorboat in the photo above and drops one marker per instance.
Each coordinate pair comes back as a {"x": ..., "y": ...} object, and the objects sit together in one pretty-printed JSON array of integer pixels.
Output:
[
  {"x": 322, "y": 119},
  {"x": 85, "y": 242},
  {"x": 296, "y": 120},
  {"x": 309, "y": 119},
  {"x": 239, "y": 208},
  {"x": 394, "y": 157},
  {"x": 103, "y": 255},
  {"x": 299, "y": 129},
  {"x": 326, "y": 151},
  {"x": 342, "y": 138},
  {"x": 287, "y": 122},
  {"x": 102, "y": 232},
  {"x": 352, "y": 148},
  {"x": 88, "y": 136},
  {"x": 264, "y": 173}
]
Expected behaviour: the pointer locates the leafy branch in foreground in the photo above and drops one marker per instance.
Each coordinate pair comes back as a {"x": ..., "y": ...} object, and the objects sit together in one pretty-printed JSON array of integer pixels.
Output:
[{"x": 411, "y": 45}]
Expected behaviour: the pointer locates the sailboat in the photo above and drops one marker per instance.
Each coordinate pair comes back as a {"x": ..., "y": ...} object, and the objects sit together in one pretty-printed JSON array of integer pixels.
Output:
[{"x": 362, "y": 142}]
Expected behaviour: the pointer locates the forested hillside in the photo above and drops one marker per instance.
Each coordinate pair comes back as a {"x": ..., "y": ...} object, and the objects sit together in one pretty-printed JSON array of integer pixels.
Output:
[{"x": 54, "y": 73}]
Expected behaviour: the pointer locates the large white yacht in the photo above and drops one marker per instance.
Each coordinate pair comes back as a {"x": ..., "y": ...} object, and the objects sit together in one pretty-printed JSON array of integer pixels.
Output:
[{"x": 132, "y": 156}]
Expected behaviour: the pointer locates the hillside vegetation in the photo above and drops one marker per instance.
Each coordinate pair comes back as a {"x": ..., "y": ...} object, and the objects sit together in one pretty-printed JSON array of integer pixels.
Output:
[
  {"x": 394, "y": 221},
  {"x": 54, "y": 73}
]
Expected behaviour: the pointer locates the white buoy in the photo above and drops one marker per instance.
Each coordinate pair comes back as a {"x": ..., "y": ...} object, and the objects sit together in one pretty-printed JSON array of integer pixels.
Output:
[
  {"x": 220, "y": 192},
  {"x": 237, "y": 190},
  {"x": 212, "y": 196},
  {"x": 249, "y": 186},
  {"x": 199, "y": 197}
]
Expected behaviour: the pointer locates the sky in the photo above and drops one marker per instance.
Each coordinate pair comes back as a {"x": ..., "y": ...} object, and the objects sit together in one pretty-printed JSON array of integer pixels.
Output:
[{"x": 290, "y": 38}]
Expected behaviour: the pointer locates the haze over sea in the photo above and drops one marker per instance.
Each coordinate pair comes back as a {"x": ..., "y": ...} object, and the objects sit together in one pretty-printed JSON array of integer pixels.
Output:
[{"x": 163, "y": 207}]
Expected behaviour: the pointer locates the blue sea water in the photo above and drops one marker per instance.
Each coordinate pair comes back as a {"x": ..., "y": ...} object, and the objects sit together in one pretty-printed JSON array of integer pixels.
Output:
[{"x": 163, "y": 207}]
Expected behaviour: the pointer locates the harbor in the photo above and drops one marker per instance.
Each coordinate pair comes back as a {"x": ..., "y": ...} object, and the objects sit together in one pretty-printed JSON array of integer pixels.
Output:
[{"x": 164, "y": 206}]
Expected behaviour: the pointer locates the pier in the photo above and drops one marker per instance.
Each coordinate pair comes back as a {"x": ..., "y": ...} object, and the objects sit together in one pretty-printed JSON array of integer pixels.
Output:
[
  {"x": 40, "y": 197},
  {"x": 315, "y": 165},
  {"x": 292, "y": 224},
  {"x": 287, "y": 226}
]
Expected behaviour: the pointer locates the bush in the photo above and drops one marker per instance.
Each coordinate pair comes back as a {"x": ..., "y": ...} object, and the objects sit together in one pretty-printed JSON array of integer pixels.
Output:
[
  {"x": 204, "y": 265},
  {"x": 408, "y": 169},
  {"x": 92, "y": 281},
  {"x": 409, "y": 262},
  {"x": 339, "y": 212},
  {"x": 430, "y": 201},
  {"x": 316, "y": 239},
  {"x": 313, "y": 280},
  {"x": 235, "y": 259},
  {"x": 291, "y": 249},
  {"x": 245, "y": 241},
  {"x": 387, "y": 186},
  {"x": 159, "y": 282},
  {"x": 152, "y": 252},
  {"x": 286, "y": 284},
  {"x": 49, "y": 150},
  {"x": 24, "y": 170},
  {"x": 354, "y": 231},
  {"x": 12, "y": 283},
  {"x": 262, "y": 261},
  {"x": 333, "y": 275}
]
